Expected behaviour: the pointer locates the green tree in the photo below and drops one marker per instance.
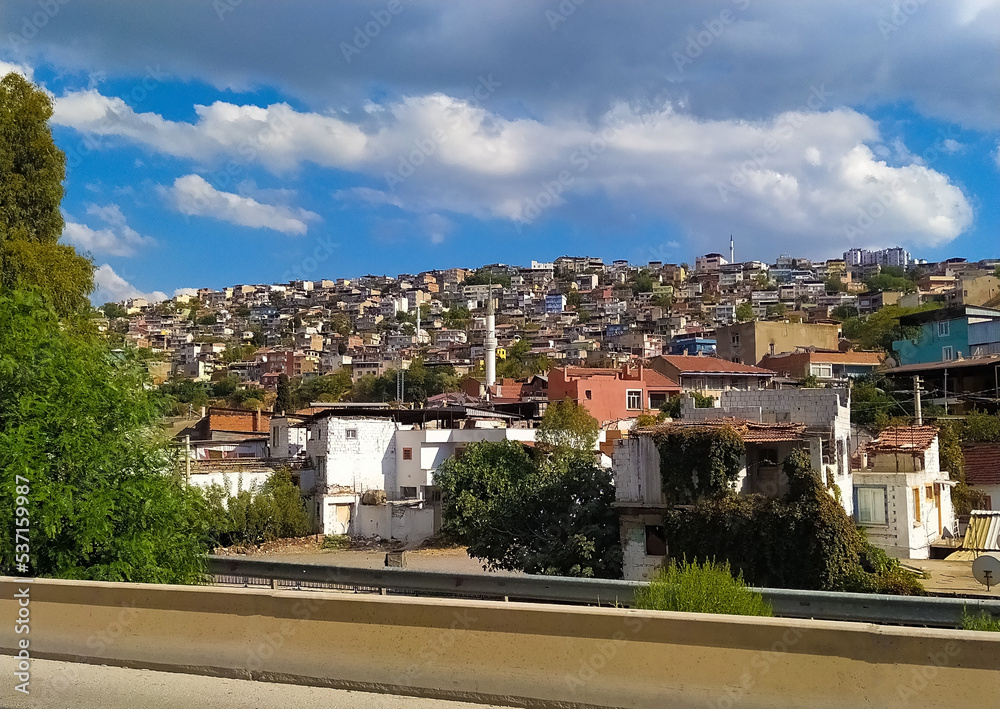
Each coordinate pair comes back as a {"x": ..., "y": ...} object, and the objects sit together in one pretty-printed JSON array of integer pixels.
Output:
[
  {"x": 329, "y": 387},
  {"x": 567, "y": 425},
  {"x": 745, "y": 312},
  {"x": 776, "y": 311},
  {"x": 484, "y": 276},
  {"x": 871, "y": 400},
  {"x": 844, "y": 312},
  {"x": 516, "y": 515},
  {"x": 880, "y": 329},
  {"x": 79, "y": 451},
  {"x": 113, "y": 310},
  {"x": 32, "y": 170},
  {"x": 890, "y": 279},
  {"x": 835, "y": 285},
  {"x": 662, "y": 300},
  {"x": 274, "y": 510},
  {"x": 283, "y": 403},
  {"x": 981, "y": 427},
  {"x": 643, "y": 282}
]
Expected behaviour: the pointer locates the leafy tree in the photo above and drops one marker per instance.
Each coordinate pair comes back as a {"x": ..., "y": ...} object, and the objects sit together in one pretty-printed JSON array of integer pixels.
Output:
[
  {"x": 206, "y": 320},
  {"x": 745, "y": 312},
  {"x": 574, "y": 299},
  {"x": 776, "y": 311},
  {"x": 517, "y": 515},
  {"x": 835, "y": 285},
  {"x": 341, "y": 324},
  {"x": 890, "y": 279},
  {"x": 871, "y": 401},
  {"x": 78, "y": 424},
  {"x": 662, "y": 300},
  {"x": 643, "y": 282},
  {"x": 880, "y": 329},
  {"x": 567, "y": 425},
  {"x": 484, "y": 276},
  {"x": 113, "y": 310},
  {"x": 226, "y": 386},
  {"x": 457, "y": 317},
  {"x": 672, "y": 406},
  {"x": 283, "y": 403},
  {"x": 329, "y": 387},
  {"x": 981, "y": 427},
  {"x": 32, "y": 169},
  {"x": 844, "y": 312}
]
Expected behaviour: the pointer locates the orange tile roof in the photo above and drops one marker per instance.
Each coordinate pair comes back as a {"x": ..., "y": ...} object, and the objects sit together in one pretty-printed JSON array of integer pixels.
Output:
[
  {"x": 750, "y": 431},
  {"x": 904, "y": 438},
  {"x": 689, "y": 364},
  {"x": 982, "y": 463}
]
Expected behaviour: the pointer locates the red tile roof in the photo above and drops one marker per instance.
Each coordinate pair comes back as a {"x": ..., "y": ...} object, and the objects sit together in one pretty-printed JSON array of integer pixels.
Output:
[
  {"x": 904, "y": 438},
  {"x": 982, "y": 463},
  {"x": 652, "y": 378},
  {"x": 751, "y": 431},
  {"x": 689, "y": 364}
]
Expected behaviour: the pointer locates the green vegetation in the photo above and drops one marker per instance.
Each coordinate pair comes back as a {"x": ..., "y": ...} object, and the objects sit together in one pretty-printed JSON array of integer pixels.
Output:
[
  {"x": 661, "y": 300},
  {"x": 890, "y": 279},
  {"x": 76, "y": 421},
  {"x": 802, "y": 540},
  {"x": 32, "y": 169},
  {"x": 419, "y": 383},
  {"x": 283, "y": 401},
  {"x": 835, "y": 285},
  {"x": 274, "y": 510},
  {"x": 745, "y": 313},
  {"x": 336, "y": 542},
  {"x": 880, "y": 329},
  {"x": 776, "y": 311},
  {"x": 567, "y": 425},
  {"x": 698, "y": 462},
  {"x": 553, "y": 516},
  {"x": 983, "y": 621},
  {"x": 484, "y": 276},
  {"x": 643, "y": 282},
  {"x": 690, "y": 587},
  {"x": 871, "y": 402},
  {"x": 981, "y": 427}
]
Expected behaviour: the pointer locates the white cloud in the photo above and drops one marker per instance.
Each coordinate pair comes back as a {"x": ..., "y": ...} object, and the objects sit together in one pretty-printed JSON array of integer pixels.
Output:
[
  {"x": 23, "y": 70},
  {"x": 110, "y": 287},
  {"x": 185, "y": 291},
  {"x": 952, "y": 146},
  {"x": 798, "y": 173},
  {"x": 193, "y": 195},
  {"x": 116, "y": 238}
]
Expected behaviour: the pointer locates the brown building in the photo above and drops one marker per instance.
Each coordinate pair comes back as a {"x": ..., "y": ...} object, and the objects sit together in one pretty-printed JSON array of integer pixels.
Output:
[
  {"x": 710, "y": 375},
  {"x": 826, "y": 365},
  {"x": 749, "y": 342}
]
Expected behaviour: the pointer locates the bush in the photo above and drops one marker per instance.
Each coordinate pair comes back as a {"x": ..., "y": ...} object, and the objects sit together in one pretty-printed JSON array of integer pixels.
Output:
[
  {"x": 701, "y": 588},
  {"x": 983, "y": 621},
  {"x": 336, "y": 542},
  {"x": 804, "y": 540},
  {"x": 273, "y": 511}
]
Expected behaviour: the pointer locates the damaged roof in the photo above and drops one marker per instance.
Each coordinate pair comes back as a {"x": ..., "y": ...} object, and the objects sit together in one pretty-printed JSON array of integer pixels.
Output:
[
  {"x": 750, "y": 431},
  {"x": 897, "y": 439}
]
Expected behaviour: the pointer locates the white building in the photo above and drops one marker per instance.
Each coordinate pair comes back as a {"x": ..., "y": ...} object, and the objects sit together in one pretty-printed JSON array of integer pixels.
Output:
[
  {"x": 374, "y": 467},
  {"x": 903, "y": 496}
]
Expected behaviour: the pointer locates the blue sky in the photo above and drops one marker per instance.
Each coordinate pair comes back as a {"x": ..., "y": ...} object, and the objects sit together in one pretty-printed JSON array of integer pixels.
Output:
[{"x": 214, "y": 142}]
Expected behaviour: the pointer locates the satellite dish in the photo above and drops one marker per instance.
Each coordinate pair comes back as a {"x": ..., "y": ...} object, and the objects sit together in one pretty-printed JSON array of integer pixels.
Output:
[{"x": 986, "y": 569}]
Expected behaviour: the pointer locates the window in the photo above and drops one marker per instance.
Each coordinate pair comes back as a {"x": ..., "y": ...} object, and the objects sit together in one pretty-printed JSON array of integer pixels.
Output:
[
  {"x": 589, "y": 394},
  {"x": 736, "y": 340},
  {"x": 769, "y": 457},
  {"x": 716, "y": 384},
  {"x": 408, "y": 493},
  {"x": 821, "y": 370},
  {"x": 944, "y": 328},
  {"x": 929, "y": 492},
  {"x": 947, "y": 354},
  {"x": 871, "y": 505},
  {"x": 351, "y": 434},
  {"x": 407, "y": 454},
  {"x": 633, "y": 399},
  {"x": 916, "y": 506},
  {"x": 656, "y": 540}
]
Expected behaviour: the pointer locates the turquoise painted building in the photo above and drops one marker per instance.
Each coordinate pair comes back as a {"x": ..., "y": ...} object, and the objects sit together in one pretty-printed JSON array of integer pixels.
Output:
[{"x": 960, "y": 332}]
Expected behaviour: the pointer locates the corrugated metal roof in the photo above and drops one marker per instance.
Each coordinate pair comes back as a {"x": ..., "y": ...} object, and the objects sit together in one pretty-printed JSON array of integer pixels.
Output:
[{"x": 984, "y": 531}]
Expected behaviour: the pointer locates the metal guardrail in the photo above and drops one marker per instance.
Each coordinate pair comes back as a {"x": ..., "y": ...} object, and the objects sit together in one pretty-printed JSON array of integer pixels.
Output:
[{"x": 787, "y": 603}]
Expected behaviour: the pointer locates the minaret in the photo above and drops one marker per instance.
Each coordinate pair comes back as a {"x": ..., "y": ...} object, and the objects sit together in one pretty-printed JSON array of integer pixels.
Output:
[
  {"x": 491, "y": 342},
  {"x": 732, "y": 249}
]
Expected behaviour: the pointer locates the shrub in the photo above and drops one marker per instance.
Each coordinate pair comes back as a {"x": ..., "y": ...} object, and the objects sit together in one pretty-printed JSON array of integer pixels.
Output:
[
  {"x": 336, "y": 542},
  {"x": 273, "y": 511},
  {"x": 983, "y": 621},
  {"x": 701, "y": 588}
]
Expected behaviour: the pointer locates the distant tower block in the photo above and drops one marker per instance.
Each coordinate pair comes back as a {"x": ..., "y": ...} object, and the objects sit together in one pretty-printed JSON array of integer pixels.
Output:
[{"x": 491, "y": 342}]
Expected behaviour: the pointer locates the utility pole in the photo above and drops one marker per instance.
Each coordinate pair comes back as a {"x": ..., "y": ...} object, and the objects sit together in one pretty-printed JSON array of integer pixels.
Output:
[
  {"x": 187, "y": 461},
  {"x": 918, "y": 410},
  {"x": 946, "y": 392}
]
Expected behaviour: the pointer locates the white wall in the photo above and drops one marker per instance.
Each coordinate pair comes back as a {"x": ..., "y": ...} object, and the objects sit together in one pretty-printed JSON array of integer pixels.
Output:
[
  {"x": 362, "y": 463},
  {"x": 237, "y": 480},
  {"x": 902, "y": 536}
]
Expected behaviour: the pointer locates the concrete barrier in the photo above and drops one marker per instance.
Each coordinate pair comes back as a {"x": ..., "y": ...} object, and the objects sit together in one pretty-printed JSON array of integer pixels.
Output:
[{"x": 519, "y": 653}]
